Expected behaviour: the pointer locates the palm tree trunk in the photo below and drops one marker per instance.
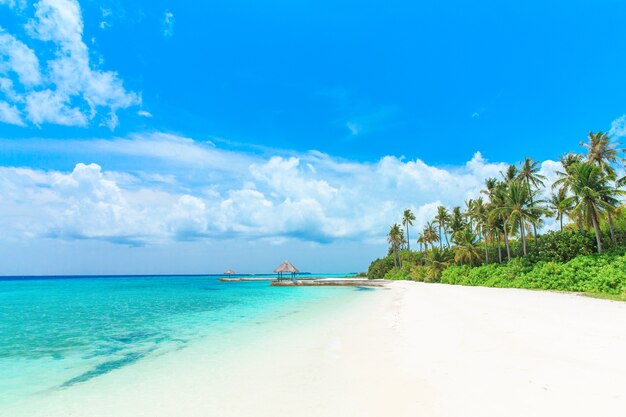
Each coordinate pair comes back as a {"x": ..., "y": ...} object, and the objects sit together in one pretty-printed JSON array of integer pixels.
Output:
[
  {"x": 486, "y": 249},
  {"x": 596, "y": 228},
  {"x": 561, "y": 218},
  {"x": 445, "y": 233},
  {"x": 611, "y": 228},
  {"x": 532, "y": 203},
  {"x": 523, "y": 235},
  {"x": 440, "y": 239},
  {"x": 508, "y": 246},
  {"x": 499, "y": 250},
  {"x": 408, "y": 243}
]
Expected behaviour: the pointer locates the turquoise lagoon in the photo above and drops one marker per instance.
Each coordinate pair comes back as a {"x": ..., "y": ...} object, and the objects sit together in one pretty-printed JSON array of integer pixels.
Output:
[{"x": 56, "y": 332}]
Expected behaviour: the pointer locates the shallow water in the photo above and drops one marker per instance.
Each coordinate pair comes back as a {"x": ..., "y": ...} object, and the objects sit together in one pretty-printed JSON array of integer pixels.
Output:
[{"x": 56, "y": 333}]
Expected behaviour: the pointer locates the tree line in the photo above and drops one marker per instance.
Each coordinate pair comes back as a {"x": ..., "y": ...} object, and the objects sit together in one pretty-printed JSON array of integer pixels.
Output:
[{"x": 586, "y": 194}]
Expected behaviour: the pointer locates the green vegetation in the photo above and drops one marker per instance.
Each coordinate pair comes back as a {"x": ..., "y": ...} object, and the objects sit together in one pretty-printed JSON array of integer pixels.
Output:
[{"x": 495, "y": 240}]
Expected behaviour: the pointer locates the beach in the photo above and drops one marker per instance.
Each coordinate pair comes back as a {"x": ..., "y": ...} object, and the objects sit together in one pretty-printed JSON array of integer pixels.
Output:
[{"x": 406, "y": 349}]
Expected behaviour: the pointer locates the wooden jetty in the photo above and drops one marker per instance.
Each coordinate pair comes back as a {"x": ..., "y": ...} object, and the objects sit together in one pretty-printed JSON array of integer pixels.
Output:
[{"x": 335, "y": 282}]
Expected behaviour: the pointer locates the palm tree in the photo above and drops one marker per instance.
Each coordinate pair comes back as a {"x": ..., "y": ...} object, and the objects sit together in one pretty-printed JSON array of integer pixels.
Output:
[
  {"x": 395, "y": 237},
  {"x": 560, "y": 205},
  {"x": 613, "y": 202},
  {"x": 420, "y": 242},
  {"x": 510, "y": 174},
  {"x": 457, "y": 221},
  {"x": 602, "y": 152},
  {"x": 442, "y": 218},
  {"x": 469, "y": 212},
  {"x": 499, "y": 214},
  {"x": 529, "y": 173},
  {"x": 593, "y": 195},
  {"x": 436, "y": 261},
  {"x": 430, "y": 234},
  {"x": 564, "y": 179},
  {"x": 466, "y": 251},
  {"x": 407, "y": 220},
  {"x": 479, "y": 213},
  {"x": 518, "y": 209},
  {"x": 490, "y": 187}
]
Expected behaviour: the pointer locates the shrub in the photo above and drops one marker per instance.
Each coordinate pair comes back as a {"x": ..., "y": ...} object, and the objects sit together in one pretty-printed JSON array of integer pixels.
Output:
[
  {"x": 379, "y": 268},
  {"x": 604, "y": 273}
]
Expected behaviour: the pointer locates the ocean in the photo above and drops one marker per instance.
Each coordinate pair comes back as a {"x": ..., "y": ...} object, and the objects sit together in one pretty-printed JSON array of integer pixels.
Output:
[{"x": 57, "y": 332}]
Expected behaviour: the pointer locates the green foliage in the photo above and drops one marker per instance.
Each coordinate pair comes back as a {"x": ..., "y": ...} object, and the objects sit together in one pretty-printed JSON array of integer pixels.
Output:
[
  {"x": 604, "y": 273},
  {"x": 379, "y": 268},
  {"x": 562, "y": 246},
  {"x": 396, "y": 274}
]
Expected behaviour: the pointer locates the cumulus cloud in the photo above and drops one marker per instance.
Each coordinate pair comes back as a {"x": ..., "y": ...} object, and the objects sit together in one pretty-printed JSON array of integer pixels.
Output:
[
  {"x": 10, "y": 114},
  {"x": 310, "y": 196},
  {"x": 68, "y": 89}
]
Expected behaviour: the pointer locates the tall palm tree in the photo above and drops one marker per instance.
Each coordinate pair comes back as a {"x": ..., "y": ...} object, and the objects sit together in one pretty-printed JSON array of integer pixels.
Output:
[
  {"x": 407, "y": 220},
  {"x": 529, "y": 173},
  {"x": 480, "y": 215},
  {"x": 602, "y": 152},
  {"x": 457, "y": 221},
  {"x": 466, "y": 251},
  {"x": 490, "y": 187},
  {"x": 612, "y": 201},
  {"x": 469, "y": 212},
  {"x": 430, "y": 234},
  {"x": 442, "y": 218},
  {"x": 560, "y": 206},
  {"x": 518, "y": 209},
  {"x": 500, "y": 213},
  {"x": 421, "y": 242},
  {"x": 395, "y": 237},
  {"x": 593, "y": 195},
  {"x": 510, "y": 174},
  {"x": 563, "y": 182}
]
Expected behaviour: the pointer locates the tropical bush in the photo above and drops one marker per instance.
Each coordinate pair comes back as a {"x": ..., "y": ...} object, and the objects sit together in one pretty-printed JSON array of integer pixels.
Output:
[
  {"x": 379, "y": 268},
  {"x": 604, "y": 273}
]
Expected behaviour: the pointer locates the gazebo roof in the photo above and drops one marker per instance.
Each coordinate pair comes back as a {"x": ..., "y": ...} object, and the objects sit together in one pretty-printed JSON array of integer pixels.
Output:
[
  {"x": 229, "y": 272},
  {"x": 287, "y": 267}
]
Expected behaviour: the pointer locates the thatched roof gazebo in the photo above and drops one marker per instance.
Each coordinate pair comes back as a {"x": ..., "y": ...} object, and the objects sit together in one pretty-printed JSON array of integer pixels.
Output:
[
  {"x": 229, "y": 272},
  {"x": 286, "y": 268}
]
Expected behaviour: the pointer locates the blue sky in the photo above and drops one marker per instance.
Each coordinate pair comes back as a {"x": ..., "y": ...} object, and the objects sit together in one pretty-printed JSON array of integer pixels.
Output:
[{"x": 208, "y": 121}]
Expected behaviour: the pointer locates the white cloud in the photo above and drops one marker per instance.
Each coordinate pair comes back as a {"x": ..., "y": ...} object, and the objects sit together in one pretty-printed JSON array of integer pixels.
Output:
[
  {"x": 18, "y": 58},
  {"x": 618, "y": 127},
  {"x": 14, "y": 4},
  {"x": 310, "y": 196},
  {"x": 144, "y": 113},
  {"x": 48, "y": 106},
  {"x": 10, "y": 114},
  {"x": 168, "y": 24},
  {"x": 68, "y": 90}
]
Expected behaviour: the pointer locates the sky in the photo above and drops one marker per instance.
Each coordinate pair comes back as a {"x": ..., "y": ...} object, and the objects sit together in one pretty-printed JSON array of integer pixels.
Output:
[{"x": 153, "y": 137}]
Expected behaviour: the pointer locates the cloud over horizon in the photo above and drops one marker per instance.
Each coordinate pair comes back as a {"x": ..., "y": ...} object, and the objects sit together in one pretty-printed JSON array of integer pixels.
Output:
[{"x": 310, "y": 197}]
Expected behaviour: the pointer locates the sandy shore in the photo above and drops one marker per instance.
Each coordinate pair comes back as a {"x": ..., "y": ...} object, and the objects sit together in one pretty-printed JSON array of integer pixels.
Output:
[{"x": 405, "y": 350}]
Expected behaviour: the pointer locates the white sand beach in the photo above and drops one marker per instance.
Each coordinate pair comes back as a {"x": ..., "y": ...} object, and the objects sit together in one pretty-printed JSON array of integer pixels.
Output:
[{"x": 406, "y": 350}]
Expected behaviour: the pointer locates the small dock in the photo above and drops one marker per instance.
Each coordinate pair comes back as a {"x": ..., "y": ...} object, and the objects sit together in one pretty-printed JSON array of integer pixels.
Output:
[
  {"x": 242, "y": 279},
  {"x": 331, "y": 282}
]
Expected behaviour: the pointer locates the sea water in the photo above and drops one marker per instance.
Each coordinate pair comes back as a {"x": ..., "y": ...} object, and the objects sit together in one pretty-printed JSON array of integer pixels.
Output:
[{"x": 56, "y": 332}]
